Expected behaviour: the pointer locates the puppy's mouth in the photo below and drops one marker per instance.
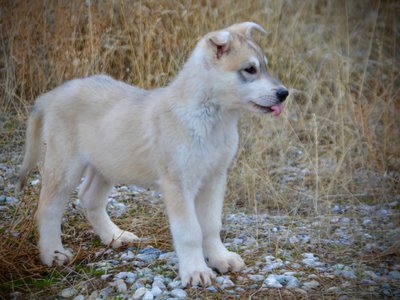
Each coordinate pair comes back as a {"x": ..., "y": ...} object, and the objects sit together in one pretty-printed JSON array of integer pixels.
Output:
[{"x": 276, "y": 108}]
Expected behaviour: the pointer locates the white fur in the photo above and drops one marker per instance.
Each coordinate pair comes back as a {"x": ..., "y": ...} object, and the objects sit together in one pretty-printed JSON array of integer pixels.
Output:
[{"x": 180, "y": 139}]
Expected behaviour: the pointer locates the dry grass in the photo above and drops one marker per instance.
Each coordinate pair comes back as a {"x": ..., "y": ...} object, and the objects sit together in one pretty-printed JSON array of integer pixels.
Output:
[{"x": 339, "y": 133}]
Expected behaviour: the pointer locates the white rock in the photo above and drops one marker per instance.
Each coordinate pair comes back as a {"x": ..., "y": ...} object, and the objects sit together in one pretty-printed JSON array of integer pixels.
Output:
[
  {"x": 167, "y": 255},
  {"x": 176, "y": 284},
  {"x": 129, "y": 277},
  {"x": 292, "y": 282},
  {"x": 211, "y": 288},
  {"x": 159, "y": 283},
  {"x": 349, "y": 274},
  {"x": 35, "y": 182},
  {"x": 128, "y": 255},
  {"x": 120, "y": 285},
  {"x": 271, "y": 281},
  {"x": 394, "y": 275},
  {"x": 372, "y": 275},
  {"x": 345, "y": 220},
  {"x": 310, "y": 284},
  {"x": 256, "y": 278},
  {"x": 224, "y": 281},
  {"x": 68, "y": 292},
  {"x": 367, "y": 222},
  {"x": 79, "y": 297},
  {"x": 139, "y": 293},
  {"x": 178, "y": 293},
  {"x": 148, "y": 296},
  {"x": 310, "y": 262},
  {"x": 295, "y": 265},
  {"x": 105, "y": 276},
  {"x": 156, "y": 291},
  {"x": 309, "y": 255}
]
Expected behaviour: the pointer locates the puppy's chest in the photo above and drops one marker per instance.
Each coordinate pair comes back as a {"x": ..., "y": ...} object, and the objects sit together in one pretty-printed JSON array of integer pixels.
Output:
[{"x": 204, "y": 154}]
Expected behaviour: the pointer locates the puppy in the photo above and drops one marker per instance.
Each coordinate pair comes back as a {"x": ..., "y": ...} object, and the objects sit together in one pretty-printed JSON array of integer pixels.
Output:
[{"x": 180, "y": 139}]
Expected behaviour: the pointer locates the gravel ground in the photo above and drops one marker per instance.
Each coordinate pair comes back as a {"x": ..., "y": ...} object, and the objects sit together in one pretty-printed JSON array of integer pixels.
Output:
[{"x": 351, "y": 251}]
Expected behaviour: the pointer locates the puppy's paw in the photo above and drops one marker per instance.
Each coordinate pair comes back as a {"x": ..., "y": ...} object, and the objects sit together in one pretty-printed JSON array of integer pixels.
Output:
[
  {"x": 121, "y": 238},
  {"x": 56, "y": 257},
  {"x": 197, "y": 277},
  {"x": 225, "y": 262}
]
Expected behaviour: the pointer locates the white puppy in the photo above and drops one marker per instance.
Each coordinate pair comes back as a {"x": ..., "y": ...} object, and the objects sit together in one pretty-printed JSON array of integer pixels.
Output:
[{"x": 181, "y": 139}]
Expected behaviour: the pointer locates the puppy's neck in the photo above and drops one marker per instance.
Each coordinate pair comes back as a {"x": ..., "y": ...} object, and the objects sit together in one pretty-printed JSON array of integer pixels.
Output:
[{"x": 194, "y": 101}]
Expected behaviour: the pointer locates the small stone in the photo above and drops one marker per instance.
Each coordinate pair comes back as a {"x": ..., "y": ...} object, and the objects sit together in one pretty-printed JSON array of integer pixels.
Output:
[
  {"x": 372, "y": 275},
  {"x": 211, "y": 288},
  {"x": 349, "y": 274},
  {"x": 310, "y": 262},
  {"x": 35, "y": 182},
  {"x": 253, "y": 286},
  {"x": 120, "y": 285},
  {"x": 104, "y": 293},
  {"x": 148, "y": 296},
  {"x": 159, "y": 283},
  {"x": 292, "y": 282},
  {"x": 256, "y": 278},
  {"x": 128, "y": 277},
  {"x": 309, "y": 255},
  {"x": 178, "y": 293},
  {"x": 310, "y": 284},
  {"x": 127, "y": 255},
  {"x": 156, "y": 291},
  {"x": 295, "y": 265},
  {"x": 224, "y": 282},
  {"x": 293, "y": 240},
  {"x": 79, "y": 297},
  {"x": 68, "y": 292},
  {"x": 271, "y": 281},
  {"x": 367, "y": 222},
  {"x": 394, "y": 275},
  {"x": 338, "y": 267},
  {"x": 333, "y": 289},
  {"x": 176, "y": 284},
  {"x": 277, "y": 263},
  {"x": 367, "y": 282},
  {"x": 105, "y": 276},
  {"x": 139, "y": 293},
  {"x": 167, "y": 255}
]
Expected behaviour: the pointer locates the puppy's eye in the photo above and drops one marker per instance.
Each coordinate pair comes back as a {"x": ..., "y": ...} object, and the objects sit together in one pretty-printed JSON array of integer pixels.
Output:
[{"x": 251, "y": 70}]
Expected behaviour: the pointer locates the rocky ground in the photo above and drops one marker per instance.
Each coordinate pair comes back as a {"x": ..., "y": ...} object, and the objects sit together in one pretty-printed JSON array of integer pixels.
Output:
[{"x": 350, "y": 251}]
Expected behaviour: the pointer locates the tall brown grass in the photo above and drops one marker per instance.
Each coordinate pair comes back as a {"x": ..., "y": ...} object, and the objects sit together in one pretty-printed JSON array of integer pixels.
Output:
[{"x": 339, "y": 134}]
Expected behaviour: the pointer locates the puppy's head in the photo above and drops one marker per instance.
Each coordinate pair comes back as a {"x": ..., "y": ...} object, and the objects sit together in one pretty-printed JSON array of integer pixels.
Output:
[{"x": 237, "y": 69}]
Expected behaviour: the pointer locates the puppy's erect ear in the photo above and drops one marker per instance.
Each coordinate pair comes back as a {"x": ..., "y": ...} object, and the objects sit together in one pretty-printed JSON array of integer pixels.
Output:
[
  {"x": 220, "y": 41},
  {"x": 246, "y": 28}
]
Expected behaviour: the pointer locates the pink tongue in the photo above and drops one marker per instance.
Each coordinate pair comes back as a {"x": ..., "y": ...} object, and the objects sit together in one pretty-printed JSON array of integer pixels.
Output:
[{"x": 277, "y": 109}]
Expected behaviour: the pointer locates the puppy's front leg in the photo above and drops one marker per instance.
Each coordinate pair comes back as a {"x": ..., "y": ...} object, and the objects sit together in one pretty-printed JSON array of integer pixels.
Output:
[
  {"x": 209, "y": 203},
  {"x": 187, "y": 235}
]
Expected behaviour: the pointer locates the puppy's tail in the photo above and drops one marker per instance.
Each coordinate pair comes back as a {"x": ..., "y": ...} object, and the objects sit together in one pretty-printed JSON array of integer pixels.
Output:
[{"x": 32, "y": 145}]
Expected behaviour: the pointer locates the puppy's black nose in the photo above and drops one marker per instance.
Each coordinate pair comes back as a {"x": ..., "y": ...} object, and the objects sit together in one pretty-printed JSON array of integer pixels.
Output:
[{"x": 282, "y": 94}]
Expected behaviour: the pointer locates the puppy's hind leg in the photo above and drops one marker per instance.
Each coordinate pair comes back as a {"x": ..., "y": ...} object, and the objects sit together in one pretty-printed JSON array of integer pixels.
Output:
[
  {"x": 58, "y": 182},
  {"x": 93, "y": 195}
]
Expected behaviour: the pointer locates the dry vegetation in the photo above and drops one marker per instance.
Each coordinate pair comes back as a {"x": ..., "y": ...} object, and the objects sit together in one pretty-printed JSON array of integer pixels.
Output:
[{"x": 339, "y": 133}]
